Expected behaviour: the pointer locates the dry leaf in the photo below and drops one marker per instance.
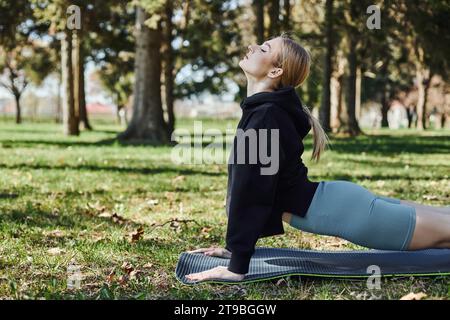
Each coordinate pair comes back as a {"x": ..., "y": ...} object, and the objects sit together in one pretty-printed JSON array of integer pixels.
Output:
[
  {"x": 123, "y": 279},
  {"x": 127, "y": 267},
  {"x": 414, "y": 296},
  {"x": 105, "y": 215},
  {"x": 55, "y": 251},
  {"x": 430, "y": 197},
  {"x": 111, "y": 275},
  {"x": 152, "y": 202},
  {"x": 136, "y": 235},
  {"x": 147, "y": 265},
  {"x": 97, "y": 237},
  {"x": 54, "y": 233},
  {"x": 96, "y": 206},
  {"x": 205, "y": 232},
  {"x": 281, "y": 282},
  {"x": 133, "y": 274},
  {"x": 117, "y": 219}
]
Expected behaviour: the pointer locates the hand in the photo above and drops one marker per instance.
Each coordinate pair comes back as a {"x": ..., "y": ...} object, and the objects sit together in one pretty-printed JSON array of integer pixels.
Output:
[
  {"x": 219, "y": 272},
  {"x": 214, "y": 251}
]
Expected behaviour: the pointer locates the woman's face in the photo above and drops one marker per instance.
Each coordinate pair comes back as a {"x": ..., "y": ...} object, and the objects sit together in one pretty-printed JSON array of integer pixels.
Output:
[{"x": 259, "y": 60}]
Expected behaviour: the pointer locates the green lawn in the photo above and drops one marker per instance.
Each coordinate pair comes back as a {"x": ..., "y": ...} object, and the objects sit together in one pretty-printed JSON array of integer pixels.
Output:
[{"x": 83, "y": 199}]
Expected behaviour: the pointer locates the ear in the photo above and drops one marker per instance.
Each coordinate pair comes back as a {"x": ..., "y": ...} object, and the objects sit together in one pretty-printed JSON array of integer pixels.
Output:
[{"x": 275, "y": 72}]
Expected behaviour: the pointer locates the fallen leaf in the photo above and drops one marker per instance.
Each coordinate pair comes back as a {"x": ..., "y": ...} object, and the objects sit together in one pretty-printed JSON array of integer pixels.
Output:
[
  {"x": 147, "y": 265},
  {"x": 205, "y": 232},
  {"x": 54, "y": 233},
  {"x": 281, "y": 283},
  {"x": 96, "y": 206},
  {"x": 105, "y": 215},
  {"x": 137, "y": 234},
  {"x": 152, "y": 202},
  {"x": 117, "y": 219},
  {"x": 97, "y": 237},
  {"x": 413, "y": 296},
  {"x": 123, "y": 279},
  {"x": 55, "y": 251},
  {"x": 133, "y": 274},
  {"x": 430, "y": 197},
  {"x": 111, "y": 275},
  {"x": 127, "y": 267}
]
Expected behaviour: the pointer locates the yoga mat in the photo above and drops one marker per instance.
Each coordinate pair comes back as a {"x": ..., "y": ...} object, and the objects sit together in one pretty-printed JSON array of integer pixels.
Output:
[{"x": 269, "y": 263}]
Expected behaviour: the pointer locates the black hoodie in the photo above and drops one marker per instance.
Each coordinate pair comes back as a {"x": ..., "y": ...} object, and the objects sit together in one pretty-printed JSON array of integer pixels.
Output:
[{"x": 255, "y": 202}]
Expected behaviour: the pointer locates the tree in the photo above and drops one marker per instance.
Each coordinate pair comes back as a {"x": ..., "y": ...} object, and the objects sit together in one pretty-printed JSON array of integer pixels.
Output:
[
  {"x": 325, "y": 109},
  {"x": 147, "y": 122},
  {"x": 274, "y": 17},
  {"x": 258, "y": 9},
  {"x": 429, "y": 56},
  {"x": 21, "y": 60},
  {"x": 168, "y": 63}
]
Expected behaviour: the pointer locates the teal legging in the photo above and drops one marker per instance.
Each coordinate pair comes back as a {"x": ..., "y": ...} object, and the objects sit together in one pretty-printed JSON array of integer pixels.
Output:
[{"x": 347, "y": 210}]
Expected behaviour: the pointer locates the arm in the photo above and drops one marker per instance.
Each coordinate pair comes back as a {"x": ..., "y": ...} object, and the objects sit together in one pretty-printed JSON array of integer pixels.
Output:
[{"x": 252, "y": 195}]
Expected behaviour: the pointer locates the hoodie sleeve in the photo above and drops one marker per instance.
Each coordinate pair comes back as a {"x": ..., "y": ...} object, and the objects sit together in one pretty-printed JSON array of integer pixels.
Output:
[{"x": 252, "y": 193}]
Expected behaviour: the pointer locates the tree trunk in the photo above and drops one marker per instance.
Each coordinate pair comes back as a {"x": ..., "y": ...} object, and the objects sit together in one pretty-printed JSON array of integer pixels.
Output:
[
  {"x": 325, "y": 109},
  {"x": 147, "y": 121},
  {"x": 409, "y": 115},
  {"x": 18, "y": 109},
  {"x": 84, "y": 119},
  {"x": 384, "y": 110},
  {"x": 70, "y": 120},
  {"x": 58, "y": 116},
  {"x": 258, "y": 9},
  {"x": 168, "y": 68},
  {"x": 353, "y": 127},
  {"x": 287, "y": 15},
  {"x": 76, "y": 77},
  {"x": 384, "y": 96},
  {"x": 423, "y": 84},
  {"x": 342, "y": 118},
  {"x": 358, "y": 94},
  {"x": 274, "y": 13}
]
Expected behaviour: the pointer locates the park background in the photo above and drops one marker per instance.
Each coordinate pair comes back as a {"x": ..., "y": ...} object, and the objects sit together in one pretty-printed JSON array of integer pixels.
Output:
[{"x": 92, "y": 91}]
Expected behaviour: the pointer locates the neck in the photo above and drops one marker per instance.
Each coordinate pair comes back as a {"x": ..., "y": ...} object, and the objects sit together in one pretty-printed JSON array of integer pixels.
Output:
[{"x": 257, "y": 86}]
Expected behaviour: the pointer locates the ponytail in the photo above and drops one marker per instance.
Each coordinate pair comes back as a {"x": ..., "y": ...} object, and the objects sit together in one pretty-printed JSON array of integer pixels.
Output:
[
  {"x": 296, "y": 63},
  {"x": 320, "y": 137}
]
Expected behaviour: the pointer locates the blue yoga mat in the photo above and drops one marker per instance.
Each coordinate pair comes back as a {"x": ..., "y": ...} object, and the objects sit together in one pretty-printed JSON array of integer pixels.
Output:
[{"x": 269, "y": 263}]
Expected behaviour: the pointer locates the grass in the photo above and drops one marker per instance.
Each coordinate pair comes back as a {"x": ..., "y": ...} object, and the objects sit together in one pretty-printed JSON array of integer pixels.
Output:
[{"x": 82, "y": 200}]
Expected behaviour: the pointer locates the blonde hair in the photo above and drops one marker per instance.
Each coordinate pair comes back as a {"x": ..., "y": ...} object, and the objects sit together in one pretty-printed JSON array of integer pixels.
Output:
[{"x": 296, "y": 63}]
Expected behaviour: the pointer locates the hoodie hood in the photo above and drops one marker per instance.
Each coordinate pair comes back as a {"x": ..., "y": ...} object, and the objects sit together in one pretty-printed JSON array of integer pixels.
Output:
[{"x": 287, "y": 99}]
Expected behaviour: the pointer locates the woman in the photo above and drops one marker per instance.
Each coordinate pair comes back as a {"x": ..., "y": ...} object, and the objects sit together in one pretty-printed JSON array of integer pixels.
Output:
[{"x": 257, "y": 204}]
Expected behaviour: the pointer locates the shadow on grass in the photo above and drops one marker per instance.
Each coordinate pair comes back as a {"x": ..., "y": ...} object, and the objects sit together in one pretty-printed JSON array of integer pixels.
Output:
[
  {"x": 392, "y": 144},
  {"x": 358, "y": 177},
  {"x": 8, "y": 195},
  {"x": 376, "y": 144},
  {"x": 36, "y": 217},
  {"x": 146, "y": 171},
  {"x": 391, "y": 164}
]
